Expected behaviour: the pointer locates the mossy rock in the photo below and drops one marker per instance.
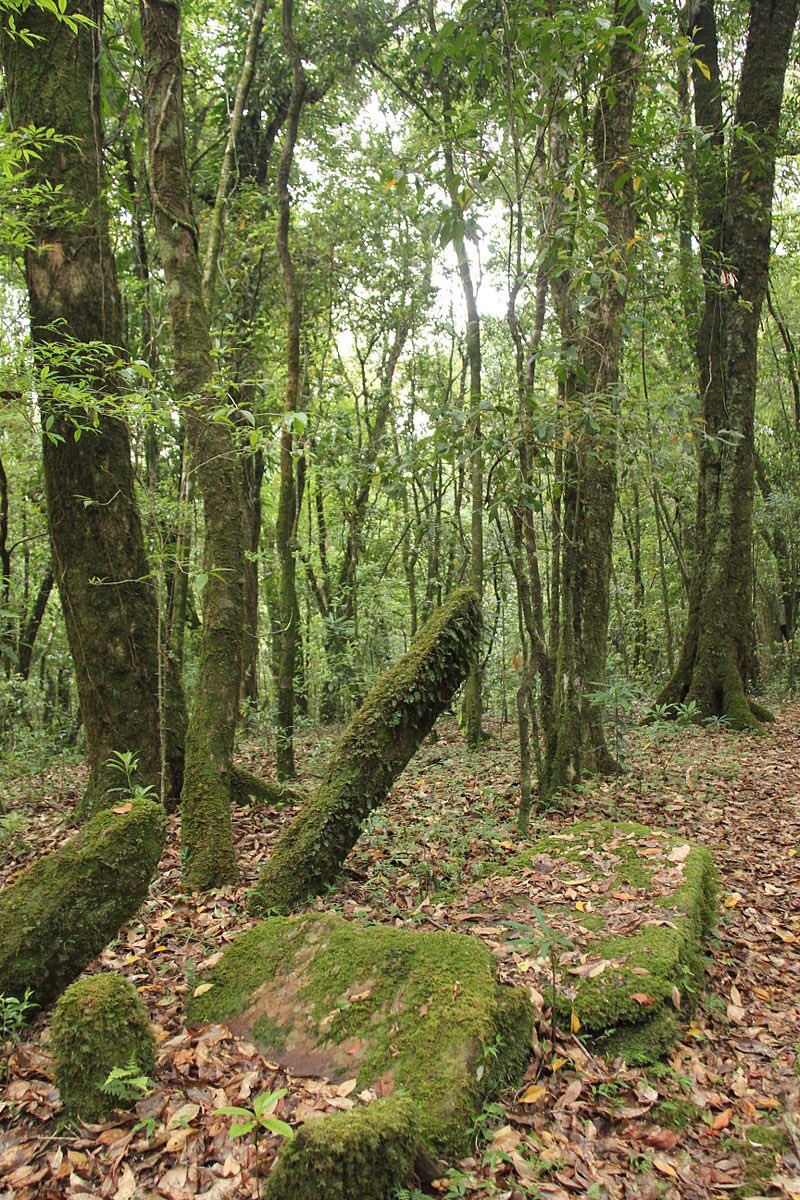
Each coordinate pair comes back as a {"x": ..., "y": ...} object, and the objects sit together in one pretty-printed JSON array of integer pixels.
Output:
[
  {"x": 99, "y": 1023},
  {"x": 363, "y": 1153},
  {"x": 65, "y": 908},
  {"x": 417, "y": 1016},
  {"x": 646, "y": 979}
]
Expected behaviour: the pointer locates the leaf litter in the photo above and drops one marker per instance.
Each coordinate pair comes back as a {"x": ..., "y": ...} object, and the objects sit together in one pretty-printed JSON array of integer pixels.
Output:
[{"x": 718, "y": 1118}]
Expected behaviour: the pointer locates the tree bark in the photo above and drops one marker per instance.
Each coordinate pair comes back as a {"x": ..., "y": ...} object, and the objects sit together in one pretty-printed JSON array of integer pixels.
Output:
[
  {"x": 98, "y": 550},
  {"x": 207, "y": 838},
  {"x": 34, "y": 621},
  {"x": 735, "y": 191},
  {"x": 288, "y": 503},
  {"x": 397, "y": 714},
  {"x": 577, "y": 743}
]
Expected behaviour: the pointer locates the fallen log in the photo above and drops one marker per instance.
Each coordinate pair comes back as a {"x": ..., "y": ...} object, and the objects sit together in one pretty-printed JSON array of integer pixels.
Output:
[
  {"x": 66, "y": 907},
  {"x": 397, "y": 714}
]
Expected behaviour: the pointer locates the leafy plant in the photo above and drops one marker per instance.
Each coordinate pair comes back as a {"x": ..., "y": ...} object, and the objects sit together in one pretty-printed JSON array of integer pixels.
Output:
[
  {"x": 14, "y": 1016},
  {"x": 126, "y": 763},
  {"x": 549, "y": 944},
  {"x": 260, "y": 1116},
  {"x": 127, "y": 1083}
]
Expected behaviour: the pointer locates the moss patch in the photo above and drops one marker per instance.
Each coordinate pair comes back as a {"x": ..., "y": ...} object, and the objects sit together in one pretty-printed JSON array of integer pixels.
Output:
[
  {"x": 411, "y": 1014},
  {"x": 64, "y": 909},
  {"x": 98, "y": 1024},
  {"x": 364, "y": 1153},
  {"x": 653, "y": 901}
]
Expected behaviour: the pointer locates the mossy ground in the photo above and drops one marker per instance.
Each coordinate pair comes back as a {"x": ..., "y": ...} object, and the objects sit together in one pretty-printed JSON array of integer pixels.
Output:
[
  {"x": 416, "y": 1015},
  {"x": 641, "y": 947},
  {"x": 99, "y": 1023}
]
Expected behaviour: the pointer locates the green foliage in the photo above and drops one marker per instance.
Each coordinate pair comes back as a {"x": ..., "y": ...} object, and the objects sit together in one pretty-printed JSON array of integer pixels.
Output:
[
  {"x": 259, "y": 1116},
  {"x": 127, "y": 1083},
  {"x": 14, "y": 1016}
]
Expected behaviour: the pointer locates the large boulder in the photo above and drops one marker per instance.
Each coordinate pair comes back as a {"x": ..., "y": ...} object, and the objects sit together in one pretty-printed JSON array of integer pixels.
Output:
[
  {"x": 65, "y": 908},
  {"x": 418, "y": 1017}
]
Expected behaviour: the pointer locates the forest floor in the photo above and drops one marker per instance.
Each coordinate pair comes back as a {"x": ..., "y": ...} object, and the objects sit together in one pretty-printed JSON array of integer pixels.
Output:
[{"x": 720, "y": 1117}]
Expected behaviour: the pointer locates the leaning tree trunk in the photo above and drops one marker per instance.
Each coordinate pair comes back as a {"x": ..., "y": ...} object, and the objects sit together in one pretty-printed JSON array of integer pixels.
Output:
[
  {"x": 577, "y": 743},
  {"x": 398, "y": 713},
  {"x": 735, "y": 210},
  {"x": 99, "y": 561},
  {"x": 207, "y": 837}
]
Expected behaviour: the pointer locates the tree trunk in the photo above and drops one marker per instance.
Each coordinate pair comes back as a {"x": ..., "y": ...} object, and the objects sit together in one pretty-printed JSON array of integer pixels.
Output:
[
  {"x": 34, "y": 621},
  {"x": 577, "y": 743},
  {"x": 288, "y": 504},
  {"x": 735, "y": 209},
  {"x": 98, "y": 550},
  {"x": 210, "y": 859},
  {"x": 398, "y": 713}
]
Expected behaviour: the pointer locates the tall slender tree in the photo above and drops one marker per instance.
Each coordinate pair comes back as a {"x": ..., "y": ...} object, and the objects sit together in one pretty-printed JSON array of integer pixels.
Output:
[{"x": 206, "y": 819}]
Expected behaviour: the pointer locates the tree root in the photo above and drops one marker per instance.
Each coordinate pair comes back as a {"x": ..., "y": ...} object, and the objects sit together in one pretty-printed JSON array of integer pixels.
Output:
[{"x": 245, "y": 787}]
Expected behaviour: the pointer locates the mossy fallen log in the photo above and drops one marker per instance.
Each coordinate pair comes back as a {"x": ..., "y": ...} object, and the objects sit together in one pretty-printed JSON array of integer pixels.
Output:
[
  {"x": 64, "y": 909},
  {"x": 417, "y": 1016},
  {"x": 634, "y": 982},
  {"x": 398, "y": 713},
  {"x": 99, "y": 1023}
]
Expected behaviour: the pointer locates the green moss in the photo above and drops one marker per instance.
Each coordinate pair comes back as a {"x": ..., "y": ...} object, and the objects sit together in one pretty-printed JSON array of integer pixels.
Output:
[
  {"x": 98, "y": 1024},
  {"x": 677, "y": 1114},
  {"x": 759, "y": 1148},
  {"x": 594, "y": 922},
  {"x": 771, "y": 1137},
  {"x": 64, "y": 909},
  {"x": 630, "y": 1007},
  {"x": 398, "y": 713},
  {"x": 423, "y": 1010},
  {"x": 365, "y": 1154},
  {"x": 206, "y": 831}
]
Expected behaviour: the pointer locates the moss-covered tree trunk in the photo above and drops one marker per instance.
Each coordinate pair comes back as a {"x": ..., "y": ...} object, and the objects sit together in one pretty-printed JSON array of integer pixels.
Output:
[
  {"x": 61, "y": 911},
  {"x": 734, "y": 201},
  {"x": 99, "y": 562},
  {"x": 207, "y": 837},
  {"x": 399, "y": 711},
  {"x": 590, "y": 405}
]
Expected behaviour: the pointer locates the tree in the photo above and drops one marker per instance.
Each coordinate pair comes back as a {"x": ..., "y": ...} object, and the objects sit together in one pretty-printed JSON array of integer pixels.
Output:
[
  {"x": 206, "y": 820},
  {"x": 734, "y": 199},
  {"x": 98, "y": 552}
]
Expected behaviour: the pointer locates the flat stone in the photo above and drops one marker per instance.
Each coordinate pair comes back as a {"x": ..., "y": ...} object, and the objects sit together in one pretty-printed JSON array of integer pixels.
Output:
[{"x": 418, "y": 1017}]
